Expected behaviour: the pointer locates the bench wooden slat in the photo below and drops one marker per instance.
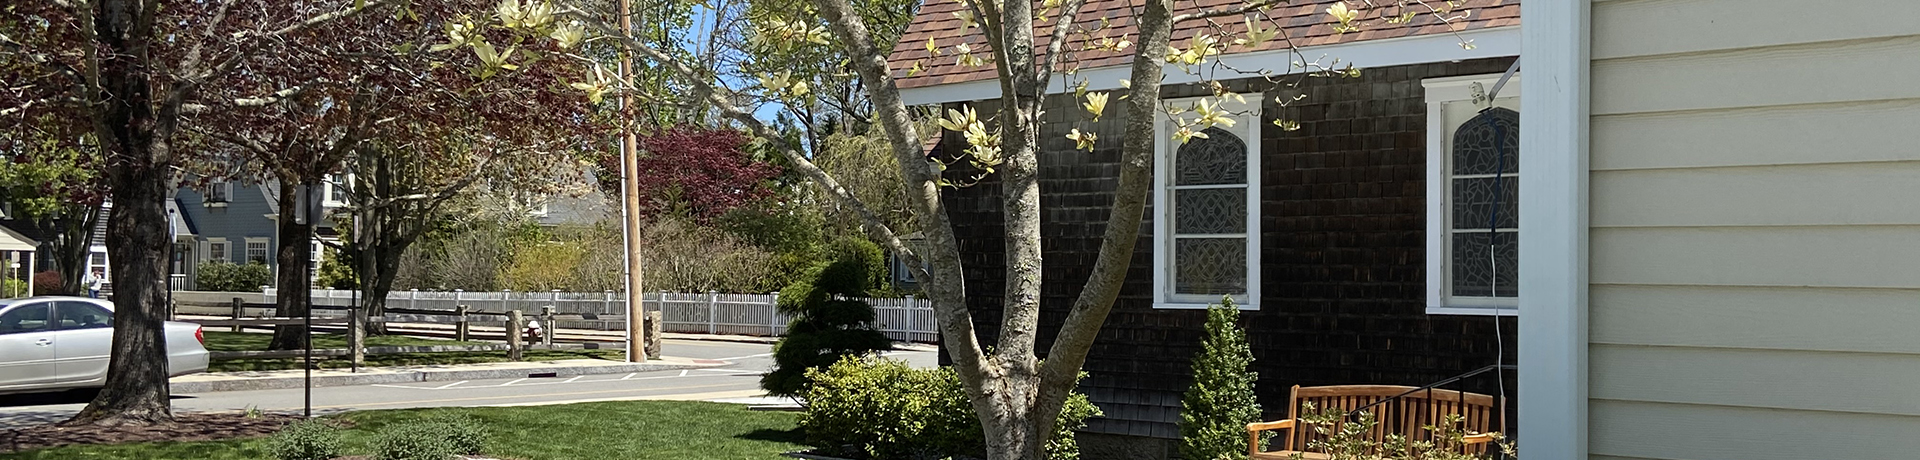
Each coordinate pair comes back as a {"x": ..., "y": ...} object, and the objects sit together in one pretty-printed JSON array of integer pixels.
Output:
[{"x": 1407, "y": 416}]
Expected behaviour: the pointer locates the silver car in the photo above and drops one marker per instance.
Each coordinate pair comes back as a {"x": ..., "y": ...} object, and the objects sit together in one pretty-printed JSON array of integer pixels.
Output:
[{"x": 59, "y": 343}]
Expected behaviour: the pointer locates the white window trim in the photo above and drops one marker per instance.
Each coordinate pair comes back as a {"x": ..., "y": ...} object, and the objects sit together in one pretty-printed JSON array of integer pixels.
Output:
[
  {"x": 226, "y": 191},
  {"x": 318, "y": 252},
  {"x": 246, "y": 252},
  {"x": 1249, "y": 130},
  {"x": 106, "y": 260},
  {"x": 1440, "y": 92},
  {"x": 327, "y": 187},
  {"x": 226, "y": 251}
]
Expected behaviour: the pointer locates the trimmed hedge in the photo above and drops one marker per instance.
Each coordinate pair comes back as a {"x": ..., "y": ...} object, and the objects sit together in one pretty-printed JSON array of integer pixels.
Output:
[
  {"x": 883, "y": 409},
  {"x": 231, "y": 277}
]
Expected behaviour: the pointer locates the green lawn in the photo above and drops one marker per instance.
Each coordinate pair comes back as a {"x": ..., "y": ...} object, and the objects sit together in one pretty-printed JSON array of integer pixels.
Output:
[
  {"x": 586, "y": 431},
  {"x": 229, "y": 341},
  {"x": 247, "y": 341}
]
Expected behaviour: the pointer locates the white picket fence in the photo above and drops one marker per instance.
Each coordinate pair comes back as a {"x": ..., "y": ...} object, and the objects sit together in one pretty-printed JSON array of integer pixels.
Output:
[{"x": 902, "y": 318}]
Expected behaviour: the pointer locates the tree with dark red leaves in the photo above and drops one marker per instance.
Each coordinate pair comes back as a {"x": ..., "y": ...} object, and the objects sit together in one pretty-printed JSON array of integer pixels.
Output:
[{"x": 699, "y": 172}]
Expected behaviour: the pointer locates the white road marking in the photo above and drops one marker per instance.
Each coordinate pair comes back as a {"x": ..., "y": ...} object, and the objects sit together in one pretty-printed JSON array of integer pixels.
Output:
[
  {"x": 747, "y": 356},
  {"x": 732, "y": 371},
  {"x": 683, "y": 372},
  {"x": 577, "y": 377},
  {"x": 630, "y": 376},
  {"x": 513, "y": 382},
  {"x": 382, "y": 385},
  {"x": 450, "y": 385}
]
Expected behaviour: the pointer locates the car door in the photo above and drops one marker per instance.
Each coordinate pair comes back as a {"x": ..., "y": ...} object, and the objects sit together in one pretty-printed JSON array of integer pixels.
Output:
[
  {"x": 27, "y": 348},
  {"x": 85, "y": 332}
]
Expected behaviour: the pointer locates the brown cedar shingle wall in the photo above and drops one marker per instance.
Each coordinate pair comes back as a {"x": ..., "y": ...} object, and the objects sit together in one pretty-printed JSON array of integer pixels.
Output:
[
  {"x": 1306, "y": 21},
  {"x": 1342, "y": 226}
]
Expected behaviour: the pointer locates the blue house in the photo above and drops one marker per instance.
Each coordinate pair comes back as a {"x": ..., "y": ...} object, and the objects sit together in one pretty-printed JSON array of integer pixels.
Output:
[{"x": 235, "y": 222}]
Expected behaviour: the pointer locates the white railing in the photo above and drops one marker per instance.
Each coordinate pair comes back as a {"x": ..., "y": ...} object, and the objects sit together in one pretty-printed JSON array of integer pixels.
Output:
[{"x": 902, "y": 318}]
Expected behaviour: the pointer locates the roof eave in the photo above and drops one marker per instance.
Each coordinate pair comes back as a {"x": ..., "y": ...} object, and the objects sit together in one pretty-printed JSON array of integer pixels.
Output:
[{"x": 1421, "y": 49}]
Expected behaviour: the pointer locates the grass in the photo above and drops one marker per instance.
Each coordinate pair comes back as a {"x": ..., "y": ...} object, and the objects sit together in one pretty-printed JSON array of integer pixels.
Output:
[
  {"x": 584, "y": 431},
  {"x": 230, "y": 341},
  {"x": 246, "y": 341}
]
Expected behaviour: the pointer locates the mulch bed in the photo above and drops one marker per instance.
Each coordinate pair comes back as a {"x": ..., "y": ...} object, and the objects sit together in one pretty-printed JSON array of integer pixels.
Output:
[{"x": 186, "y": 427}]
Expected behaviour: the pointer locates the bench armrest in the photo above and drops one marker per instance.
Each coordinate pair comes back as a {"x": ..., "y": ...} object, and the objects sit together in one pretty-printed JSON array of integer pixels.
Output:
[{"x": 1254, "y": 429}]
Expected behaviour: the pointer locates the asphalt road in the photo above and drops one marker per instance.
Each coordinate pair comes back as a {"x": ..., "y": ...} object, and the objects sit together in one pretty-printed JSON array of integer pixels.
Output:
[{"x": 738, "y": 380}]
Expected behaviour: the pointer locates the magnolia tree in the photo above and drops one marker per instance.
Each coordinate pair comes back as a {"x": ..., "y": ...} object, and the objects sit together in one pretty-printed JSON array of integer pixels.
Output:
[{"x": 1015, "y": 393}]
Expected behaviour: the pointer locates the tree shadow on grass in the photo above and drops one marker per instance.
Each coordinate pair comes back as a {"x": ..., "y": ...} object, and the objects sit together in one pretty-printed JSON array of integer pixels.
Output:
[{"x": 792, "y": 436}]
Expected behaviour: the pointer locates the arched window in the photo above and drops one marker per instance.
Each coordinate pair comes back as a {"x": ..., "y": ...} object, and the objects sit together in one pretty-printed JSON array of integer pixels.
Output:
[
  {"x": 1206, "y": 224},
  {"x": 1473, "y": 195},
  {"x": 1485, "y": 183}
]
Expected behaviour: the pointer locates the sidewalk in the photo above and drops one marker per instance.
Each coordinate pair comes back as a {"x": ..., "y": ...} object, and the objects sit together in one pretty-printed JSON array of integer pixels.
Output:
[{"x": 296, "y": 378}]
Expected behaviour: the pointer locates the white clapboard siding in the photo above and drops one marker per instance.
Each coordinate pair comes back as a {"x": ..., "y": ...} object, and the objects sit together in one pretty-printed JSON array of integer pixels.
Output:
[
  {"x": 1779, "y": 318},
  {"x": 1854, "y": 70},
  {"x": 1755, "y": 212},
  {"x": 1705, "y": 432},
  {"x": 1842, "y": 132},
  {"x": 1824, "y": 256},
  {"x": 1758, "y": 196},
  {"x": 1644, "y": 27},
  {"x": 1877, "y": 383}
]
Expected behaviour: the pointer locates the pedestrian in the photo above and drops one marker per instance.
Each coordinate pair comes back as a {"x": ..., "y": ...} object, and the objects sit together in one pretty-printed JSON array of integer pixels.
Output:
[
  {"x": 533, "y": 332},
  {"x": 93, "y": 281}
]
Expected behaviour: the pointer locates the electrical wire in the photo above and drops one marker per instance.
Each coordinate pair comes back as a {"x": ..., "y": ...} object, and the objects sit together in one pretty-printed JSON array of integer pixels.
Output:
[{"x": 1493, "y": 221}]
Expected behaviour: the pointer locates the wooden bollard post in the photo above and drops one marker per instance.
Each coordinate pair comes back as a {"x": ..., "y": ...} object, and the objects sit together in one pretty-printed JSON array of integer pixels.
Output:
[
  {"x": 654, "y": 329},
  {"x": 461, "y": 328},
  {"x": 547, "y": 327},
  {"x": 239, "y": 312},
  {"x": 515, "y": 324}
]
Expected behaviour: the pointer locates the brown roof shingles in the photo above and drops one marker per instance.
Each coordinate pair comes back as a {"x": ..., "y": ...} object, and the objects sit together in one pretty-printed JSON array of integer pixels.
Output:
[{"x": 1307, "y": 24}]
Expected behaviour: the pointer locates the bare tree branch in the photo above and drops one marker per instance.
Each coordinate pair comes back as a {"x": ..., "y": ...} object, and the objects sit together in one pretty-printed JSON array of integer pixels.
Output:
[{"x": 1243, "y": 8}]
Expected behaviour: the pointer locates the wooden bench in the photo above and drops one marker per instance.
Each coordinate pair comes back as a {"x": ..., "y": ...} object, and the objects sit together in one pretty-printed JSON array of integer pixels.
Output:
[{"x": 1408, "y": 416}]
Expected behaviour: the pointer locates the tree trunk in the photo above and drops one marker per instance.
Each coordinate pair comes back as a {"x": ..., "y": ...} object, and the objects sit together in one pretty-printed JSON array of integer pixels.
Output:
[
  {"x": 290, "y": 267},
  {"x": 73, "y": 238},
  {"x": 379, "y": 284},
  {"x": 136, "y": 390},
  {"x": 138, "y": 175}
]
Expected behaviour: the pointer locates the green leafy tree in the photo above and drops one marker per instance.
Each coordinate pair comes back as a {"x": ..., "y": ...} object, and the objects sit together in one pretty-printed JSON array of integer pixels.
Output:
[
  {"x": 827, "y": 324},
  {"x": 1216, "y": 410},
  {"x": 55, "y": 186},
  {"x": 336, "y": 271}
]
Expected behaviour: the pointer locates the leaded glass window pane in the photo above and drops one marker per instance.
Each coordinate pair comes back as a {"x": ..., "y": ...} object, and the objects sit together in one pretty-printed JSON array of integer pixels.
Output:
[
  {"x": 1220, "y": 158},
  {"x": 1478, "y": 142},
  {"x": 1486, "y": 152},
  {"x": 1473, "y": 201},
  {"x": 1210, "y": 266},
  {"x": 1477, "y": 275},
  {"x": 1204, "y": 211}
]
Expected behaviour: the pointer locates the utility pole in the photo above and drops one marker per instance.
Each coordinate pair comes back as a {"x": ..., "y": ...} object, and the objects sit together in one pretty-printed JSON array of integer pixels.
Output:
[{"x": 630, "y": 198}]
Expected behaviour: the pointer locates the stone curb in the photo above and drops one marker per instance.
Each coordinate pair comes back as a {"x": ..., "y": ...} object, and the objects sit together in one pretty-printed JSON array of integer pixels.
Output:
[{"x": 391, "y": 375}]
